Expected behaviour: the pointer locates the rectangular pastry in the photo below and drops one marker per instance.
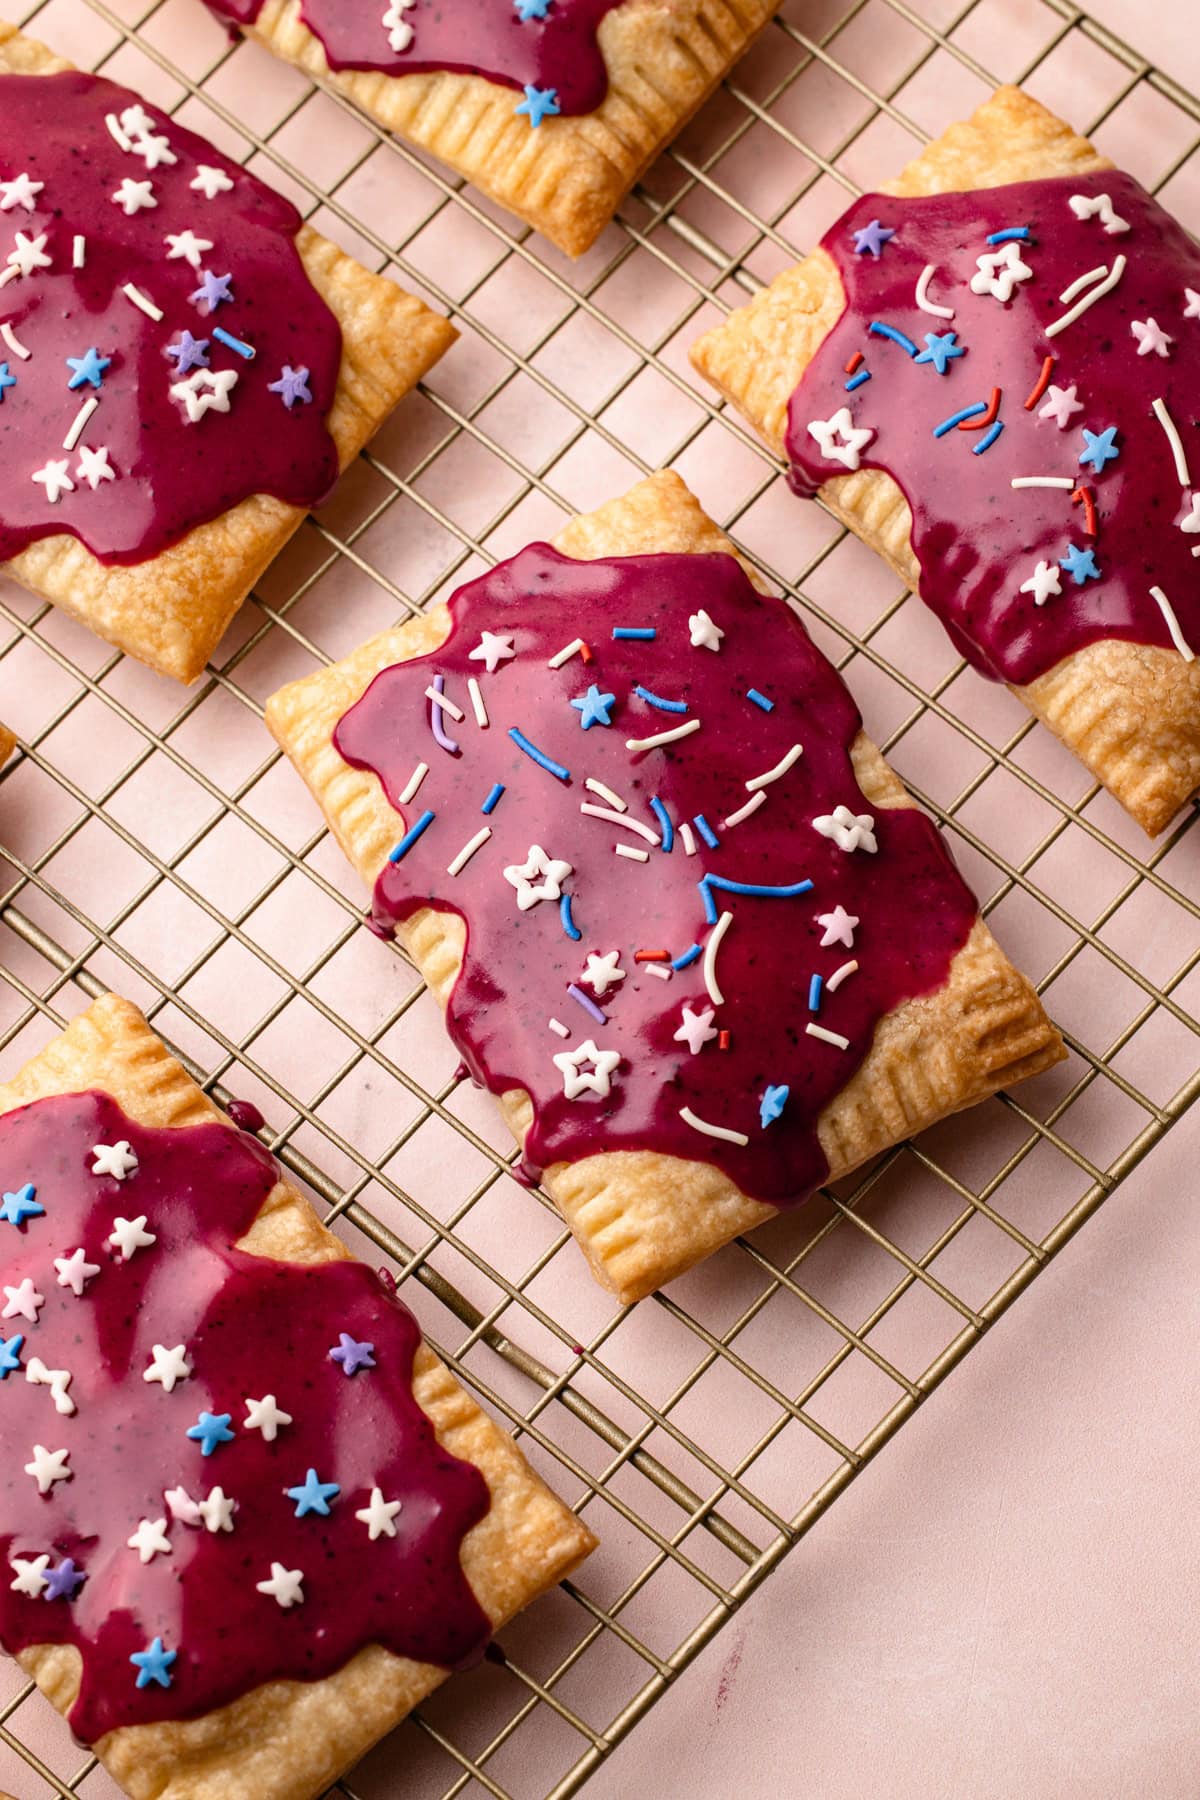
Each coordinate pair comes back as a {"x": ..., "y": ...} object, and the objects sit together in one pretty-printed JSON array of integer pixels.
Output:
[
  {"x": 988, "y": 371},
  {"x": 185, "y": 368},
  {"x": 685, "y": 921},
  {"x": 250, "y": 1519},
  {"x": 553, "y": 107}
]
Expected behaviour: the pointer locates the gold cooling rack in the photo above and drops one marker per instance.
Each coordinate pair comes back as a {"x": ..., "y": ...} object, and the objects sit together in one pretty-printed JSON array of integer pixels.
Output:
[{"x": 788, "y": 1363}]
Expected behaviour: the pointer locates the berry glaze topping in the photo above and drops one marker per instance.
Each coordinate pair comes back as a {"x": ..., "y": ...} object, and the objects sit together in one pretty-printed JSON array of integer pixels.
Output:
[
  {"x": 163, "y": 354},
  {"x": 1025, "y": 363},
  {"x": 684, "y": 921},
  {"x": 214, "y": 1473}
]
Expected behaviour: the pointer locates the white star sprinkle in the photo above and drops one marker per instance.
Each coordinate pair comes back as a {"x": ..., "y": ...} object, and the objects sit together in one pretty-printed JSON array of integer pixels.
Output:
[
  {"x": 29, "y": 254},
  {"x": 56, "y": 480},
  {"x": 135, "y": 121},
  {"x": 539, "y": 877},
  {"x": 118, "y": 1160},
  {"x": 209, "y": 181},
  {"x": 1151, "y": 338},
  {"x": 168, "y": 1367},
  {"x": 153, "y": 150},
  {"x": 94, "y": 466},
  {"x": 1045, "y": 580},
  {"x": 187, "y": 247},
  {"x": 380, "y": 1515},
  {"x": 284, "y": 1585},
  {"x": 217, "y": 1510},
  {"x": 20, "y": 191},
  {"x": 23, "y": 1302},
  {"x": 839, "y": 439},
  {"x": 1061, "y": 405},
  {"x": 493, "y": 648},
  {"x": 181, "y": 1506},
  {"x": 208, "y": 390},
  {"x": 1191, "y": 522},
  {"x": 998, "y": 273},
  {"x": 603, "y": 972},
  {"x": 134, "y": 196},
  {"x": 1101, "y": 206},
  {"x": 128, "y": 1235},
  {"x": 697, "y": 1029},
  {"x": 1192, "y": 309},
  {"x": 31, "y": 1576},
  {"x": 596, "y": 1080},
  {"x": 150, "y": 1540},
  {"x": 838, "y": 927},
  {"x": 75, "y": 1271},
  {"x": 705, "y": 634},
  {"x": 265, "y": 1416},
  {"x": 849, "y": 831},
  {"x": 49, "y": 1466},
  {"x": 400, "y": 32},
  {"x": 57, "y": 1380}
]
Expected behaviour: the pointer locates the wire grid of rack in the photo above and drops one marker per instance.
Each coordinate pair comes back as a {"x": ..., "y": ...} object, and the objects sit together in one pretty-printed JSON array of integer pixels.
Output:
[{"x": 785, "y": 1364}]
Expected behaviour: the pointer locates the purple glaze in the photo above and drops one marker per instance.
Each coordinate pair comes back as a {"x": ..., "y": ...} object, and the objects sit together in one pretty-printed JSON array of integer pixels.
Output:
[
  {"x": 915, "y": 910},
  {"x": 465, "y": 37},
  {"x": 171, "y": 475},
  {"x": 976, "y": 538},
  {"x": 245, "y": 1115},
  {"x": 251, "y": 1328}
]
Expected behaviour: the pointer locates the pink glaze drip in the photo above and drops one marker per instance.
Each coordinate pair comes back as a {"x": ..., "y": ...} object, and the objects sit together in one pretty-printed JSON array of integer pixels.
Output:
[
  {"x": 977, "y": 539},
  {"x": 915, "y": 911},
  {"x": 465, "y": 37},
  {"x": 170, "y": 475},
  {"x": 252, "y": 1327}
]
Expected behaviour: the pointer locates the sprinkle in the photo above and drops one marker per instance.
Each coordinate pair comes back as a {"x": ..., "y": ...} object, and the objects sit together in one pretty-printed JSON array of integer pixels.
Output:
[
  {"x": 674, "y": 706},
  {"x": 436, "y": 696},
  {"x": 855, "y": 362},
  {"x": 1159, "y": 409},
  {"x": 409, "y": 790},
  {"x": 565, "y": 654},
  {"x": 539, "y": 756},
  {"x": 941, "y": 349},
  {"x": 234, "y": 343},
  {"x": 616, "y": 818},
  {"x": 1100, "y": 448},
  {"x": 142, "y": 301},
  {"x": 1082, "y": 281},
  {"x": 568, "y": 924},
  {"x": 986, "y": 442},
  {"x": 989, "y": 413},
  {"x": 480, "y": 710},
  {"x": 706, "y": 831},
  {"x": 760, "y": 700},
  {"x": 856, "y": 381},
  {"x": 1042, "y": 383},
  {"x": 828, "y": 1037},
  {"x": 1080, "y": 565},
  {"x": 605, "y": 793},
  {"x": 781, "y": 768},
  {"x": 872, "y": 238},
  {"x": 743, "y": 812},
  {"x": 664, "y": 818},
  {"x": 1168, "y": 612},
  {"x": 437, "y": 725},
  {"x": 713, "y": 1131},
  {"x": 353, "y": 1354},
  {"x": 1009, "y": 234},
  {"x": 468, "y": 850},
  {"x": 640, "y": 633},
  {"x": 586, "y": 653},
  {"x": 897, "y": 337},
  {"x": 559, "y": 1029},
  {"x": 663, "y": 974},
  {"x": 588, "y": 1004},
  {"x": 78, "y": 252},
  {"x": 1084, "y": 494},
  {"x": 756, "y": 888},
  {"x": 710, "y": 957},
  {"x": 692, "y": 954},
  {"x": 1066, "y": 482},
  {"x": 648, "y": 956},
  {"x": 1089, "y": 299},
  {"x": 211, "y": 1430},
  {"x": 631, "y": 854},
  {"x": 663, "y": 737},
  {"x": 410, "y": 837},
  {"x": 772, "y": 1104},
  {"x": 11, "y": 339},
  {"x": 81, "y": 418},
  {"x": 815, "y": 985},
  {"x": 689, "y": 842},
  {"x": 115, "y": 132},
  {"x": 538, "y": 104},
  {"x": 723, "y": 1040},
  {"x": 493, "y": 799},
  {"x": 922, "y": 295},
  {"x": 968, "y": 412}
]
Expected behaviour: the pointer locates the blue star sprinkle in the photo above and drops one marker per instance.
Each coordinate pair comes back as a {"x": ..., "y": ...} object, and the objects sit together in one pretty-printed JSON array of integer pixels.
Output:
[
  {"x": 212, "y": 290},
  {"x": 89, "y": 368},
  {"x": 189, "y": 353},
  {"x": 531, "y": 9},
  {"x": 941, "y": 350},
  {"x": 64, "y": 1582},
  {"x": 1100, "y": 448},
  {"x": 351, "y": 1354},
  {"x": 539, "y": 104},
  {"x": 7, "y": 379},
  {"x": 292, "y": 386},
  {"x": 154, "y": 1664},
  {"x": 593, "y": 707},
  {"x": 872, "y": 238},
  {"x": 313, "y": 1496},
  {"x": 210, "y": 1430},
  {"x": 10, "y": 1356},
  {"x": 771, "y": 1105},
  {"x": 16, "y": 1208},
  {"x": 1081, "y": 565}
]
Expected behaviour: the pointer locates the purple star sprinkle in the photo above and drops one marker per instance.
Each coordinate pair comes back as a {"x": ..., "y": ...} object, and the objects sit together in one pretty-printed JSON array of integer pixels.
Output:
[
  {"x": 872, "y": 238},
  {"x": 292, "y": 386},
  {"x": 212, "y": 290},
  {"x": 64, "y": 1582},
  {"x": 351, "y": 1354},
  {"x": 189, "y": 352}
]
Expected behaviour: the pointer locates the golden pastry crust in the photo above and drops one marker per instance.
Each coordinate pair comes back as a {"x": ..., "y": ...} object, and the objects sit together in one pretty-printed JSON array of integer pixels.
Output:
[
  {"x": 8, "y": 743},
  {"x": 1130, "y": 712},
  {"x": 567, "y": 178},
  {"x": 642, "y": 1218},
  {"x": 172, "y": 611},
  {"x": 288, "y": 1740}
]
